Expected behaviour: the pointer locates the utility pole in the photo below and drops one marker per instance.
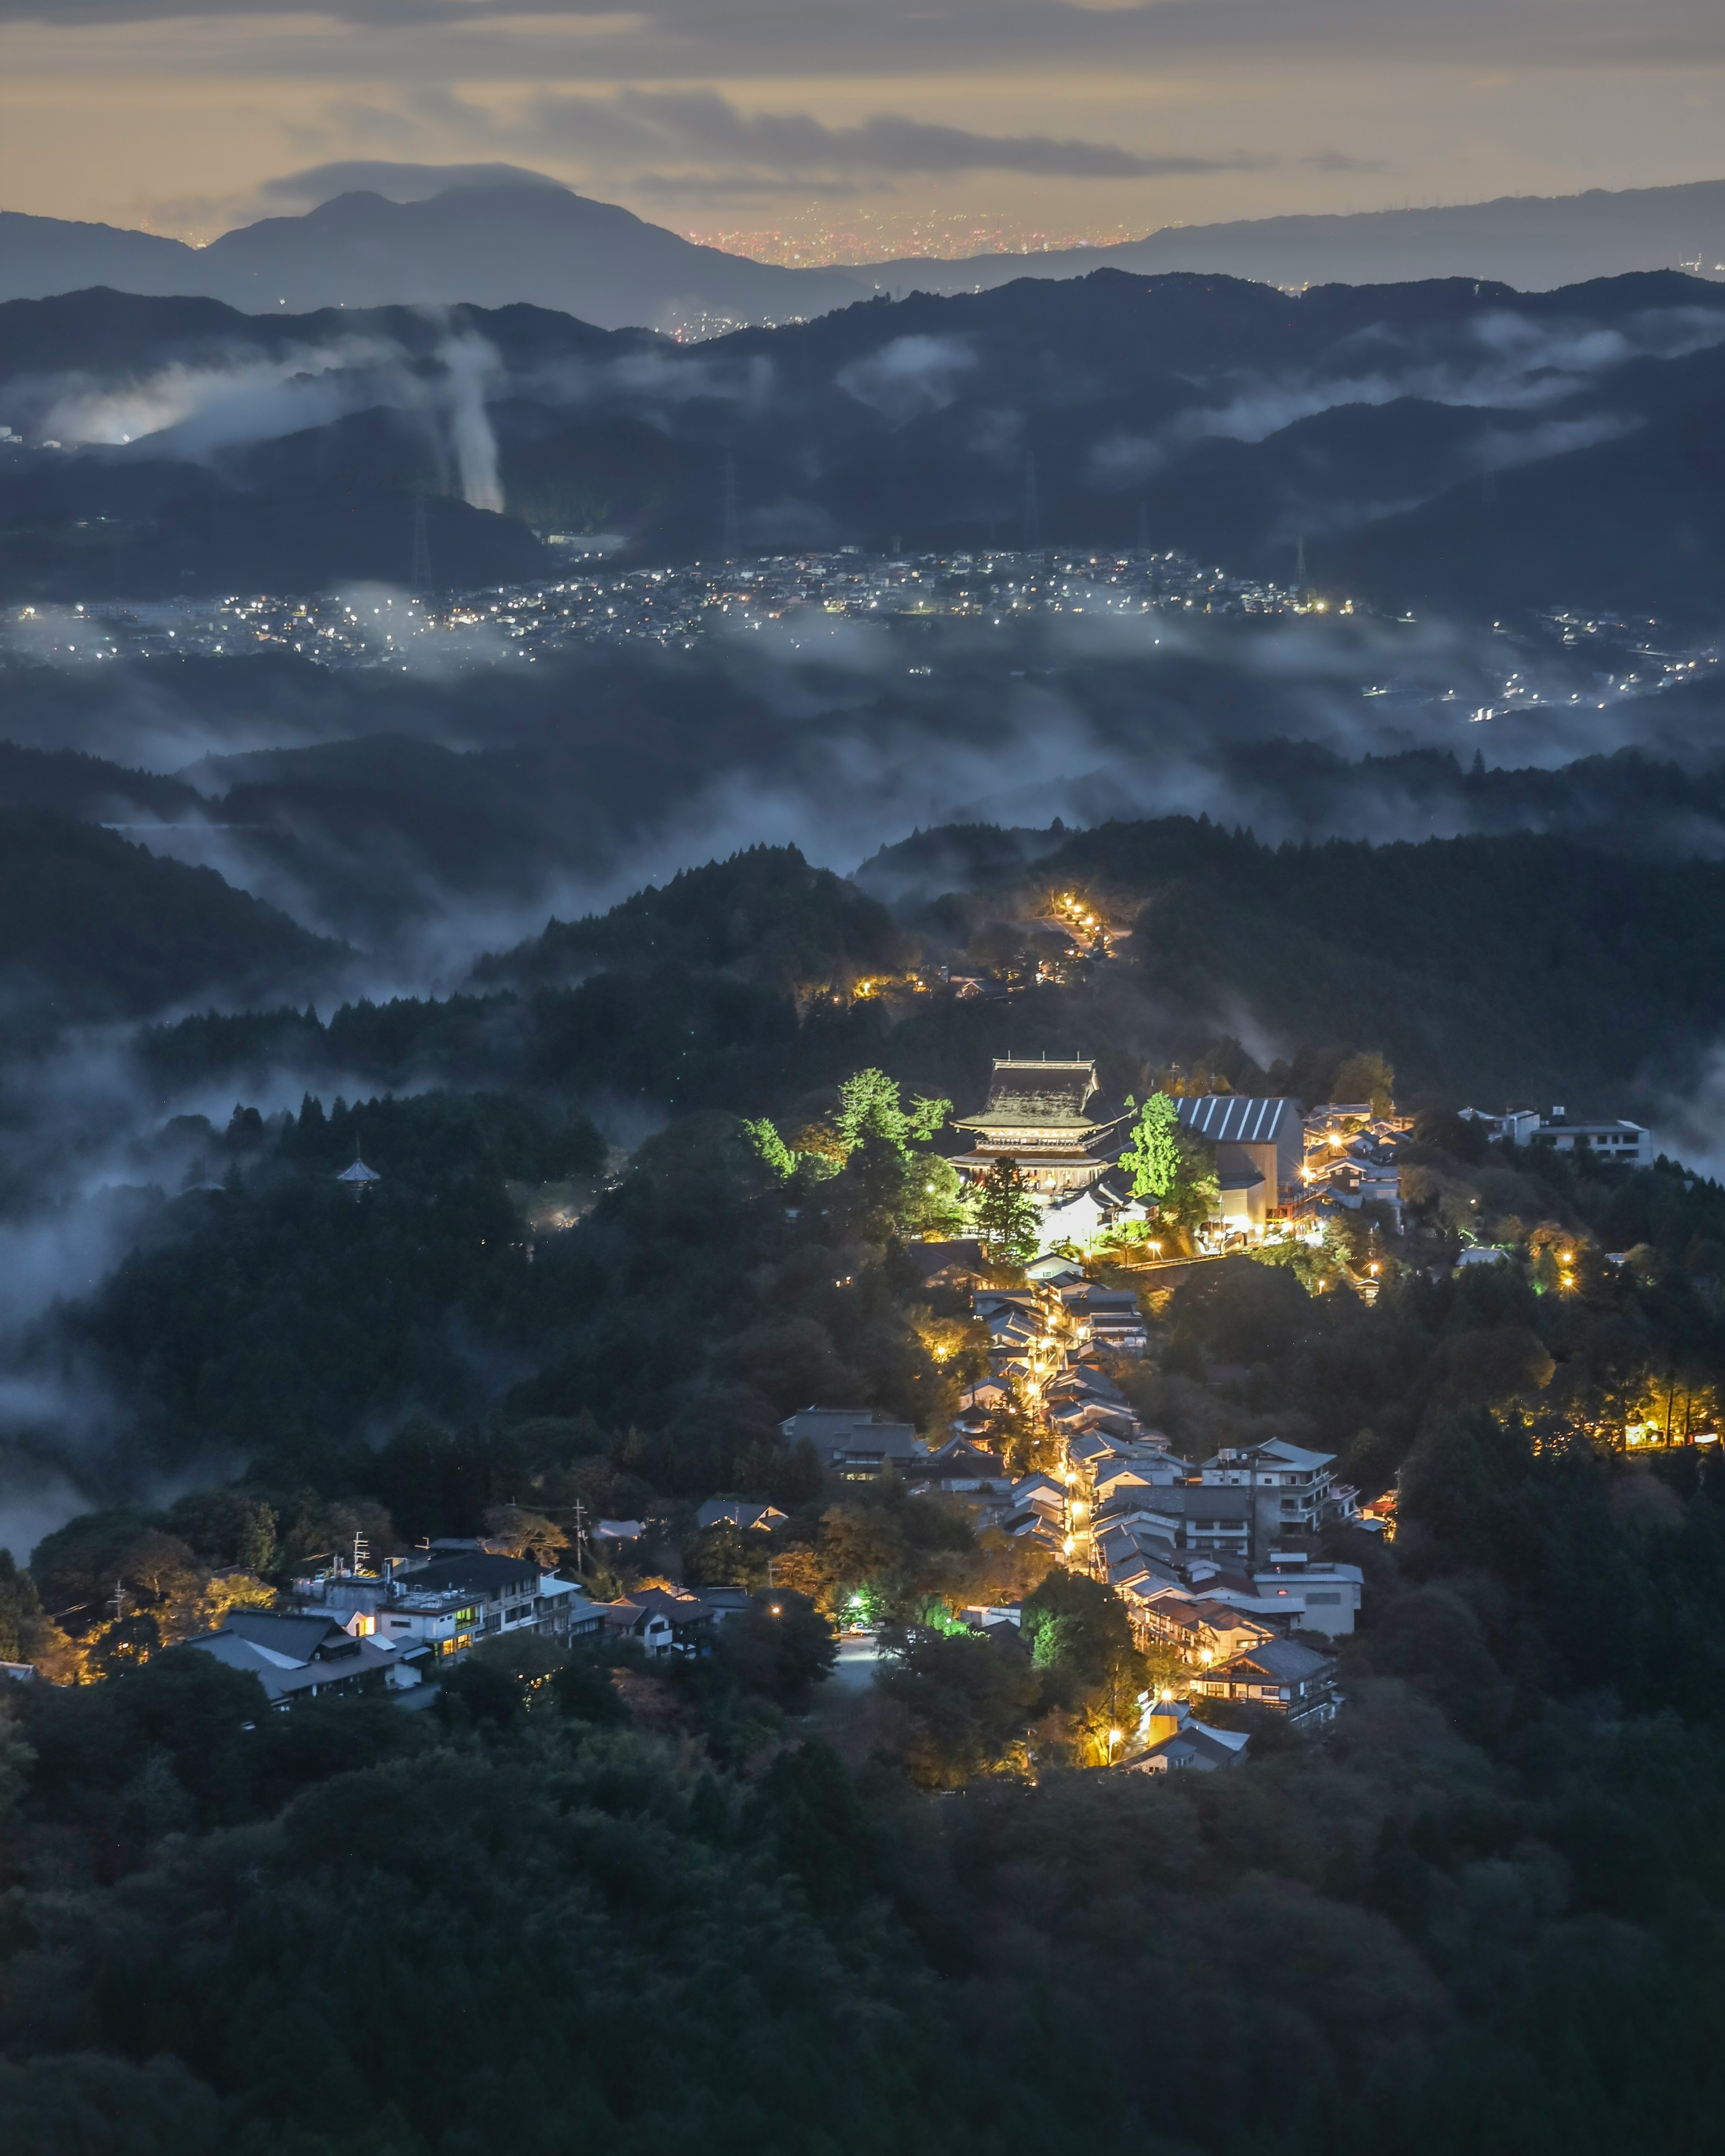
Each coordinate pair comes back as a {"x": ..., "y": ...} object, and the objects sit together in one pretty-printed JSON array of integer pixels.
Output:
[{"x": 116, "y": 1600}]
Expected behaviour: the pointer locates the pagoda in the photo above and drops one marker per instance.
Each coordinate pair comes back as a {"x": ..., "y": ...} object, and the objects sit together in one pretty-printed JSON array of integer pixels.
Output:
[{"x": 1050, "y": 1119}]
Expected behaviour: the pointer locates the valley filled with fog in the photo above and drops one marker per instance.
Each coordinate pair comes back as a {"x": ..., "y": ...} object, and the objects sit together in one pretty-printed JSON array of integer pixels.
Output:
[{"x": 862, "y": 1205}]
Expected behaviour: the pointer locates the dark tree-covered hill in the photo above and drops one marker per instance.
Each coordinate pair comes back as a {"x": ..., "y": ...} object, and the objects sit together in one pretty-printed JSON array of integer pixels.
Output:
[
  {"x": 1508, "y": 450},
  {"x": 765, "y": 912},
  {"x": 93, "y": 926}
]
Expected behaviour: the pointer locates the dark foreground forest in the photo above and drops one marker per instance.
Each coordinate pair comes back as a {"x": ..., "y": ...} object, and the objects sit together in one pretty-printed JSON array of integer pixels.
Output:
[
  {"x": 742, "y": 1902},
  {"x": 1487, "y": 1914},
  {"x": 730, "y": 1903}
]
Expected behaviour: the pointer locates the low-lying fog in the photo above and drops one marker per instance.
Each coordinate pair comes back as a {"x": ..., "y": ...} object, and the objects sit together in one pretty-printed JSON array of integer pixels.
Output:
[{"x": 429, "y": 814}]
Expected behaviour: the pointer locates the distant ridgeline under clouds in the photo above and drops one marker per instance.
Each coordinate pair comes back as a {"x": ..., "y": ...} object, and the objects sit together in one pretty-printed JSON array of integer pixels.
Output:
[{"x": 492, "y": 235}]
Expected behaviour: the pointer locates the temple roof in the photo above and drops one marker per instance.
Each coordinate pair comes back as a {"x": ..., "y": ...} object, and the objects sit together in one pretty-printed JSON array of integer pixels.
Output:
[
  {"x": 1041, "y": 1096},
  {"x": 359, "y": 1172}
]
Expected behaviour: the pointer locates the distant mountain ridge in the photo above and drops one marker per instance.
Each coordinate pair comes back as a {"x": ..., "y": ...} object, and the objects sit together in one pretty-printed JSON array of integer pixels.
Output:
[
  {"x": 1535, "y": 243},
  {"x": 489, "y": 245},
  {"x": 1451, "y": 443}
]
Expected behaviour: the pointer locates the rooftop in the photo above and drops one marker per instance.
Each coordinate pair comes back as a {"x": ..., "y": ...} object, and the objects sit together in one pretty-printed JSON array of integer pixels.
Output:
[
  {"x": 465, "y": 1575},
  {"x": 1041, "y": 1096},
  {"x": 1281, "y": 1661},
  {"x": 1232, "y": 1119}
]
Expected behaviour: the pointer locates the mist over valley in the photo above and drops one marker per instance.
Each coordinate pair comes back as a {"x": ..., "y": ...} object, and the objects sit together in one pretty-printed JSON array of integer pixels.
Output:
[{"x": 862, "y": 1215}]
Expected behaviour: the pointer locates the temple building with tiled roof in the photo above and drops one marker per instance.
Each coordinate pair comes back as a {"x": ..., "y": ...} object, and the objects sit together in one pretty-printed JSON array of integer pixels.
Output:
[{"x": 1048, "y": 1117}]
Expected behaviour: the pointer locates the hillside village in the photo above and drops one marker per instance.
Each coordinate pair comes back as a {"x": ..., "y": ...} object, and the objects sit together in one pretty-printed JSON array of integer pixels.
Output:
[
  {"x": 1236, "y": 1567},
  {"x": 1150, "y": 1516}
]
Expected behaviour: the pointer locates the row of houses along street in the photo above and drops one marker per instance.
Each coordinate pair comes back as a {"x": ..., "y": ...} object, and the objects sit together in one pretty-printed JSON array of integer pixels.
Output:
[{"x": 1217, "y": 1561}]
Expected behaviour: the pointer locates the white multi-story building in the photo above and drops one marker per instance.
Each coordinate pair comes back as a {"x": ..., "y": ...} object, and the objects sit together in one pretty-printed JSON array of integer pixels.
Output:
[
  {"x": 451, "y": 1604},
  {"x": 1291, "y": 1487},
  {"x": 1613, "y": 1139}
]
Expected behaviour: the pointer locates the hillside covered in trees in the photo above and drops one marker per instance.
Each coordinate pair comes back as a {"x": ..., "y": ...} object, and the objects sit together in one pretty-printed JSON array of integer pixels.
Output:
[
  {"x": 695, "y": 1901},
  {"x": 1487, "y": 968},
  {"x": 94, "y": 926}
]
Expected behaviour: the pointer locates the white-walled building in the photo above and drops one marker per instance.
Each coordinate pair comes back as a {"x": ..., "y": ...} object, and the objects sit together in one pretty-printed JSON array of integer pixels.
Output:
[{"x": 1612, "y": 1139}]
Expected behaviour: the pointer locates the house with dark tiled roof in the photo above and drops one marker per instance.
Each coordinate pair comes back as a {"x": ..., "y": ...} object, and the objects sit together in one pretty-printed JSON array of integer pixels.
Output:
[
  {"x": 1281, "y": 1675},
  {"x": 852, "y": 1442},
  {"x": 301, "y": 1656}
]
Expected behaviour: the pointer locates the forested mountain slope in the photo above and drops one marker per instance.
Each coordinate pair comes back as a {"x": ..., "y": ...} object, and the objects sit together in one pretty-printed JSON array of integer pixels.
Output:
[{"x": 91, "y": 925}]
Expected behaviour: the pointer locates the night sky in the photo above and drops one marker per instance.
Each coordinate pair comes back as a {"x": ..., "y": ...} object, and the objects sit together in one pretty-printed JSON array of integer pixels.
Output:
[{"x": 736, "y": 118}]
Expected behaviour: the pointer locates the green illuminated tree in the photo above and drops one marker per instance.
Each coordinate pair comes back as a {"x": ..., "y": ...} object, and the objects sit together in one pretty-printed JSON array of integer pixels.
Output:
[
  {"x": 1155, "y": 1156},
  {"x": 870, "y": 1117},
  {"x": 1196, "y": 1192},
  {"x": 869, "y": 1106},
  {"x": 1168, "y": 1168},
  {"x": 770, "y": 1146},
  {"x": 1008, "y": 1218}
]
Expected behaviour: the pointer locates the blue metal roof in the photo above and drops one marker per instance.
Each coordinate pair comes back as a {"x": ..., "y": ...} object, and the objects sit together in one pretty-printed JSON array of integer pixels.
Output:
[{"x": 1232, "y": 1119}]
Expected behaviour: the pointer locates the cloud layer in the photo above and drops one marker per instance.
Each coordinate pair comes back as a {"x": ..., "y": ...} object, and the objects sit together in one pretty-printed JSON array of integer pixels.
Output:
[{"x": 701, "y": 126}]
